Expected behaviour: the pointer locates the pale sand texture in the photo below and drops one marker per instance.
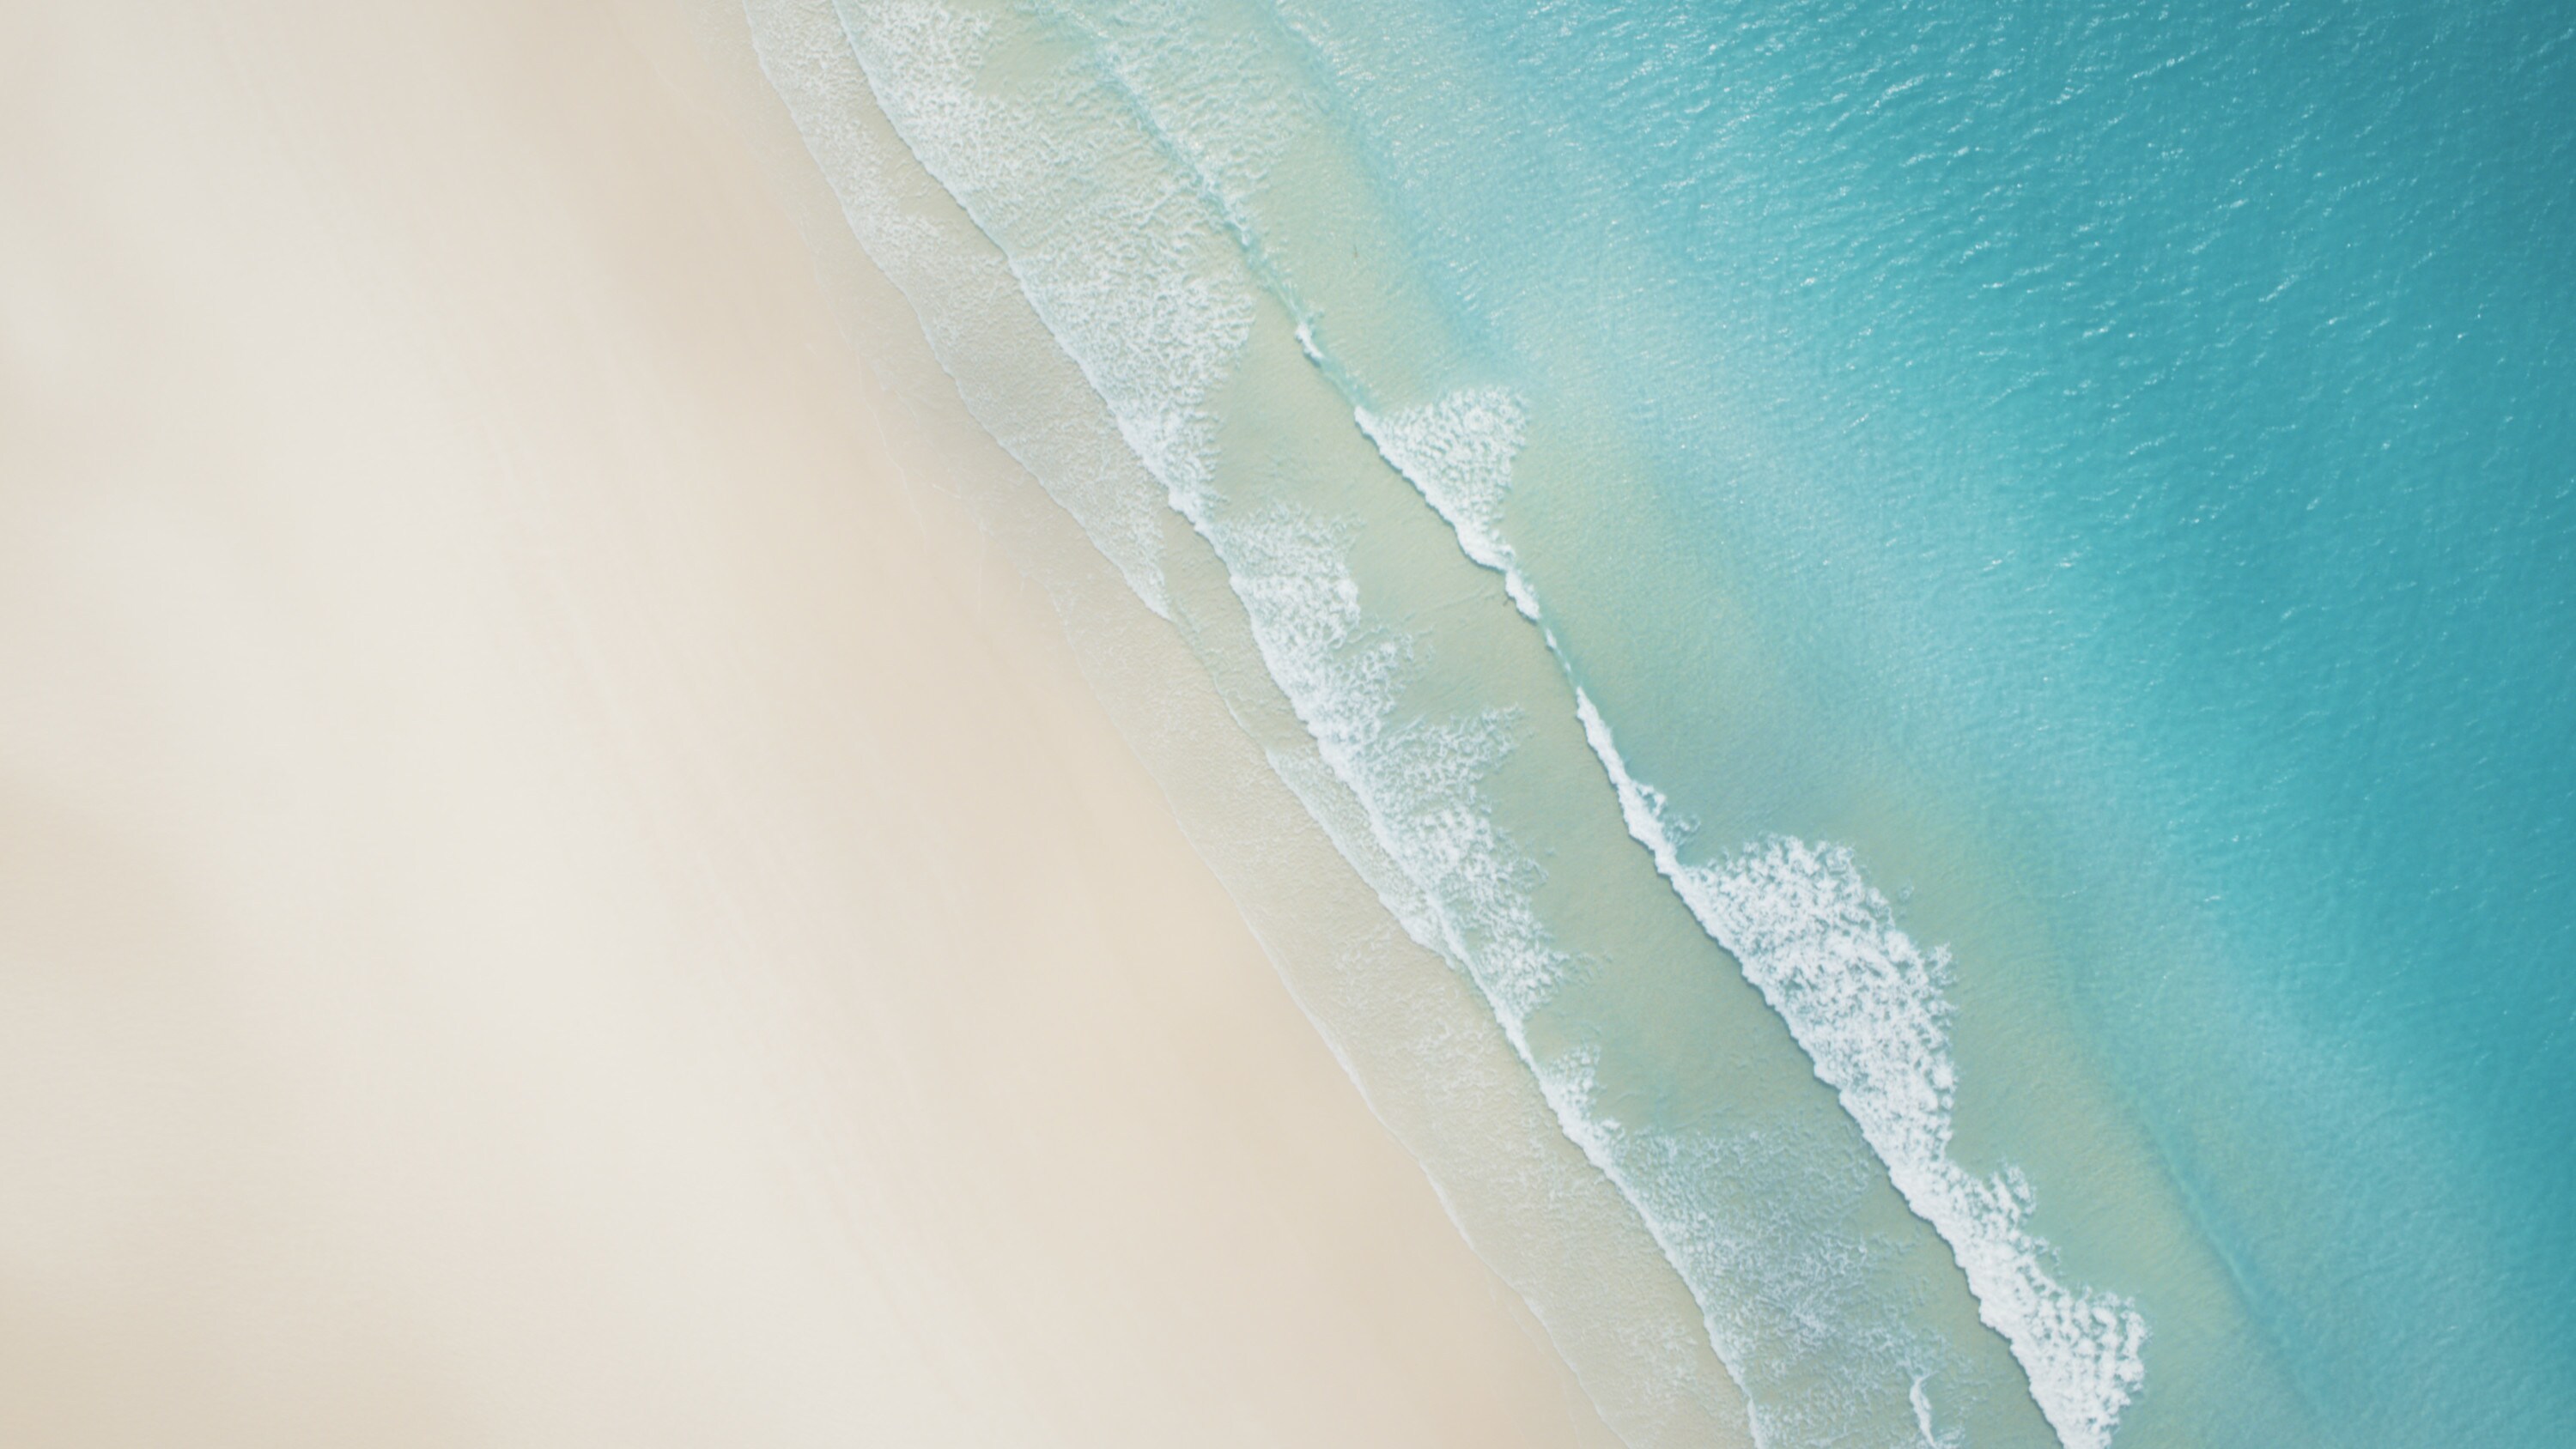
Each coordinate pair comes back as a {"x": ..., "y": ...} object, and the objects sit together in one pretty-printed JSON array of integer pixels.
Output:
[{"x": 546, "y": 896}]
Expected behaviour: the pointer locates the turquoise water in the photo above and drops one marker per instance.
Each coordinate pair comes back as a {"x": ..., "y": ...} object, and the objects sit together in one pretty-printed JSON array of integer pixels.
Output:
[{"x": 1984, "y": 689}]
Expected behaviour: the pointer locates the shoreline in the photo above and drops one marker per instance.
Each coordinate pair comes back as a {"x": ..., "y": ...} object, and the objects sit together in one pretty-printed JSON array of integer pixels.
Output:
[
  {"x": 571, "y": 894},
  {"x": 1260, "y": 804}
]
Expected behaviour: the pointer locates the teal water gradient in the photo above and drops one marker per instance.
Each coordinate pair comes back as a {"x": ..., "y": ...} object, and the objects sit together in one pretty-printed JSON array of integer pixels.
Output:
[
  {"x": 2157, "y": 430},
  {"x": 2090, "y": 489}
]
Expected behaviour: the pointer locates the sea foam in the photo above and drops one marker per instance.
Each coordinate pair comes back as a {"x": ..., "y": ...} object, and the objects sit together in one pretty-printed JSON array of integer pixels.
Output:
[
  {"x": 1870, "y": 1008},
  {"x": 1136, "y": 274},
  {"x": 1867, "y": 1004},
  {"x": 1514, "y": 1198},
  {"x": 1133, "y": 271},
  {"x": 1132, "y": 279},
  {"x": 1458, "y": 452}
]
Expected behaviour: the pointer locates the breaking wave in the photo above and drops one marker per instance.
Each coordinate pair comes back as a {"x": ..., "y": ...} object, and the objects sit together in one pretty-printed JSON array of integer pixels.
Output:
[{"x": 1870, "y": 1008}]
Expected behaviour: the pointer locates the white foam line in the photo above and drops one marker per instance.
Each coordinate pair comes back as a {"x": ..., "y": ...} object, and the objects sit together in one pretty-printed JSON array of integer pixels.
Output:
[
  {"x": 1418, "y": 782},
  {"x": 1458, "y": 452},
  {"x": 1143, "y": 290},
  {"x": 1409, "y": 810},
  {"x": 1869, "y": 1007},
  {"x": 1131, "y": 269}
]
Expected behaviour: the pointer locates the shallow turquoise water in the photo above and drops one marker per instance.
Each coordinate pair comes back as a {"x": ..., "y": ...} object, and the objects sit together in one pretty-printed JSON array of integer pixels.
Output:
[
  {"x": 2088, "y": 488},
  {"x": 2168, "y": 424}
]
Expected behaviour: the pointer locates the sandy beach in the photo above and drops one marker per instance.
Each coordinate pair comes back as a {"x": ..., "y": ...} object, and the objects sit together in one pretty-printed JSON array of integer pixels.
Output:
[{"x": 554, "y": 890}]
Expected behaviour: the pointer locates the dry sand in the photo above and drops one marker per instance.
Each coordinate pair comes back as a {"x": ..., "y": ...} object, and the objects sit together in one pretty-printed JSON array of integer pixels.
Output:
[{"x": 551, "y": 893}]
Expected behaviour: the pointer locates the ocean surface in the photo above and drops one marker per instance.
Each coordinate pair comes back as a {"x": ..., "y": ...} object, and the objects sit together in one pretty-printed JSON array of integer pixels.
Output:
[{"x": 1962, "y": 617}]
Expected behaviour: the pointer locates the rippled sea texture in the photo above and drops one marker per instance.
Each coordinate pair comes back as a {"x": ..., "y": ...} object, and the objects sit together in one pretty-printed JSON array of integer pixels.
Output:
[{"x": 1961, "y": 617}]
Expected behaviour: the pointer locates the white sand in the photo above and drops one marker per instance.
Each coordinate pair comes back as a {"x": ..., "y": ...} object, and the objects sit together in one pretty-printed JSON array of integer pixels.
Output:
[{"x": 548, "y": 894}]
